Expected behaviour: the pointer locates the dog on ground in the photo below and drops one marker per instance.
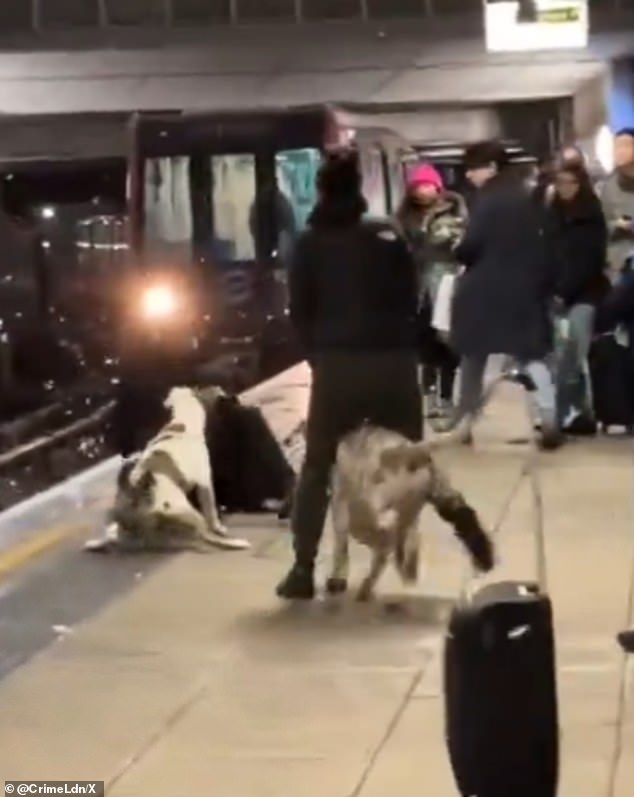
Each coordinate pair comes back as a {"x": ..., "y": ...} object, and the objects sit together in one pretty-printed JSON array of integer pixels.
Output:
[
  {"x": 165, "y": 497},
  {"x": 381, "y": 482}
]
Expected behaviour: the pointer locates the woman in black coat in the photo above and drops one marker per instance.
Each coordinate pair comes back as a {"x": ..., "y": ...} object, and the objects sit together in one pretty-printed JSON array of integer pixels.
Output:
[
  {"x": 502, "y": 302},
  {"x": 578, "y": 235}
]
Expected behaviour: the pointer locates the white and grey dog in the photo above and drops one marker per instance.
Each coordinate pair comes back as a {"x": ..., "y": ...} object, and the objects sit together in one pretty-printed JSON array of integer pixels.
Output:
[
  {"x": 165, "y": 497},
  {"x": 381, "y": 483}
]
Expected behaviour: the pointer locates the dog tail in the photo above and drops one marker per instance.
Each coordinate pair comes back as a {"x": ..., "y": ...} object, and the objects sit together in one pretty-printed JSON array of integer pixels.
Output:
[{"x": 453, "y": 508}]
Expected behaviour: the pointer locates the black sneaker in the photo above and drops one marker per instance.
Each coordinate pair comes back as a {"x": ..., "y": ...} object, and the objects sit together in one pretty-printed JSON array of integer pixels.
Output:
[
  {"x": 626, "y": 640},
  {"x": 298, "y": 585},
  {"x": 582, "y": 426}
]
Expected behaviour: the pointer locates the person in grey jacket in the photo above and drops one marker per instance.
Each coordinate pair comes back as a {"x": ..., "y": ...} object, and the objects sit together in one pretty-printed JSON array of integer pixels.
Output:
[{"x": 617, "y": 197}]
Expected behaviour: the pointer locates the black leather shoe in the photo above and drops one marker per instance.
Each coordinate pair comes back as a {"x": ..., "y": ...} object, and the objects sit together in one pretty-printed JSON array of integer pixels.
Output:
[{"x": 298, "y": 584}]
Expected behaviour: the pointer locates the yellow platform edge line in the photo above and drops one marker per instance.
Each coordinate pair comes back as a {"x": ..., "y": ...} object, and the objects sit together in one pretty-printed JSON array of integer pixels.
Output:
[{"x": 20, "y": 555}]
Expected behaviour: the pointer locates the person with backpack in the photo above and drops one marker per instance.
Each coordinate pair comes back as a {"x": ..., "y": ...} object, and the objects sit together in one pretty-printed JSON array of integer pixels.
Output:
[{"x": 353, "y": 303}]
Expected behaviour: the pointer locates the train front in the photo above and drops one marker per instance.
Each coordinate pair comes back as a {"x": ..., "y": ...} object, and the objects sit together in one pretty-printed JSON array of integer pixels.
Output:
[{"x": 199, "y": 288}]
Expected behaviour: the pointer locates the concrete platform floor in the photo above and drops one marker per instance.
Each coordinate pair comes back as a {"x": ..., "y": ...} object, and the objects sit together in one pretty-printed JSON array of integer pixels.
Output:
[{"x": 200, "y": 681}]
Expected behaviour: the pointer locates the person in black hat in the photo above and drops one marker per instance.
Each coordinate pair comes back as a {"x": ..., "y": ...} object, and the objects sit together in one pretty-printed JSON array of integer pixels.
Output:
[
  {"x": 502, "y": 303},
  {"x": 353, "y": 302}
]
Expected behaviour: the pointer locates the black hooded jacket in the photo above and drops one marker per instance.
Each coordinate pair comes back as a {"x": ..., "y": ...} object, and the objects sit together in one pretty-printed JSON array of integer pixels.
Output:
[
  {"x": 352, "y": 285},
  {"x": 578, "y": 237}
]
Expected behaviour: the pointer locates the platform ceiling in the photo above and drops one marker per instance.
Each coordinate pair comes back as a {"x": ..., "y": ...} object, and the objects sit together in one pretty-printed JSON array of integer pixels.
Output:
[{"x": 271, "y": 66}]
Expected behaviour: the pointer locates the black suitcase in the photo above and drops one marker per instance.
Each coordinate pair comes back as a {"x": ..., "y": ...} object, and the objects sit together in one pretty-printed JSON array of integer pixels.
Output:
[
  {"x": 501, "y": 697},
  {"x": 500, "y": 686},
  {"x": 612, "y": 382}
]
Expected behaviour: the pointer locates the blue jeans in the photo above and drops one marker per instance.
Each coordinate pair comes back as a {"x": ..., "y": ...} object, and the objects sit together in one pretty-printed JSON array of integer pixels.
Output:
[
  {"x": 472, "y": 387},
  {"x": 574, "y": 387}
]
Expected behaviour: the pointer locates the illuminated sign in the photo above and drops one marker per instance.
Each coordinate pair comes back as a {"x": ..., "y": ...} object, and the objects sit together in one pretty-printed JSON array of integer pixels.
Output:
[{"x": 525, "y": 25}]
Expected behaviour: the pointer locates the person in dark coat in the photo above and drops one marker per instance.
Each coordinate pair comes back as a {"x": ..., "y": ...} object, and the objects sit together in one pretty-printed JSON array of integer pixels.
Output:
[
  {"x": 502, "y": 302},
  {"x": 578, "y": 235},
  {"x": 353, "y": 303}
]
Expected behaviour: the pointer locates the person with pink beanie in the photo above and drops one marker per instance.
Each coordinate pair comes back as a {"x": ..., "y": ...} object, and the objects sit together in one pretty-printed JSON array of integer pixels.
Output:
[{"x": 433, "y": 221}]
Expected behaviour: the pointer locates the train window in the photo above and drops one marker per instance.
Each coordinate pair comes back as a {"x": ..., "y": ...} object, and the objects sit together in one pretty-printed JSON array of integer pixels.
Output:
[
  {"x": 233, "y": 203},
  {"x": 201, "y": 202},
  {"x": 296, "y": 171},
  {"x": 168, "y": 212},
  {"x": 374, "y": 183}
]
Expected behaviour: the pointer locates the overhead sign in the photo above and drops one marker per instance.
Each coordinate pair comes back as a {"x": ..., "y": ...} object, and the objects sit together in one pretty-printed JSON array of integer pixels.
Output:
[{"x": 525, "y": 25}]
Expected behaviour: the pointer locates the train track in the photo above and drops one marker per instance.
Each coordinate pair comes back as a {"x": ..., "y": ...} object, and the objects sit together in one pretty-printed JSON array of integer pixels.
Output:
[
  {"x": 51, "y": 444},
  {"x": 56, "y": 442}
]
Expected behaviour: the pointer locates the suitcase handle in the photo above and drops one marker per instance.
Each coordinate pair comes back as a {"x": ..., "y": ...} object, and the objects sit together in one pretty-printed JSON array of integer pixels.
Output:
[{"x": 529, "y": 472}]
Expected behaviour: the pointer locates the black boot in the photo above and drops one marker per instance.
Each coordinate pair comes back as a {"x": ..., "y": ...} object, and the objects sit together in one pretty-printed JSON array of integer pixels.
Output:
[
  {"x": 299, "y": 584},
  {"x": 626, "y": 640},
  {"x": 582, "y": 426}
]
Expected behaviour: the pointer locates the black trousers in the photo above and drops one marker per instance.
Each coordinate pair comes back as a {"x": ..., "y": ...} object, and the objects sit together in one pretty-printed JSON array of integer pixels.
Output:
[
  {"x": 440, "y": 364},
  {"x": 348, "y": 389},
  {"x": 439, "y": 374}
]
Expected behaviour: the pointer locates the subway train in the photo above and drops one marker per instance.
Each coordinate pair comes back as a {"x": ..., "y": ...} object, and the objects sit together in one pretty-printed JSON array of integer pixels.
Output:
[
  {"x": 216, "y": 201},
  {"x": 174, "y": 256},
  {"x": 157, "y": 264}
]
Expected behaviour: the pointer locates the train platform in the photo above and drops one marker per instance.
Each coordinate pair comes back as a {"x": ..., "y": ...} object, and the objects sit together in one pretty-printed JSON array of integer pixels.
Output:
[{"x": 186, "y": 675}]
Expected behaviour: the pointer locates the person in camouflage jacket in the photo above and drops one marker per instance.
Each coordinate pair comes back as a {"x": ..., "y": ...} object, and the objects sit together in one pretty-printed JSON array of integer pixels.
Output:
[{"x": 433, "y": 221}]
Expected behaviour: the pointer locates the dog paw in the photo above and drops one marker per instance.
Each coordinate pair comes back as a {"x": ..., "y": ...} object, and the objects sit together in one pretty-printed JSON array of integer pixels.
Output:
[
  {"x": 336, "y": 586},
  {"x": 220, "y": 530}
]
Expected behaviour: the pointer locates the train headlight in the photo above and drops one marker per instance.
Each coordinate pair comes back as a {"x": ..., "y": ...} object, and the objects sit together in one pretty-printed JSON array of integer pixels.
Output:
[{"x": 160, "y": 303}]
